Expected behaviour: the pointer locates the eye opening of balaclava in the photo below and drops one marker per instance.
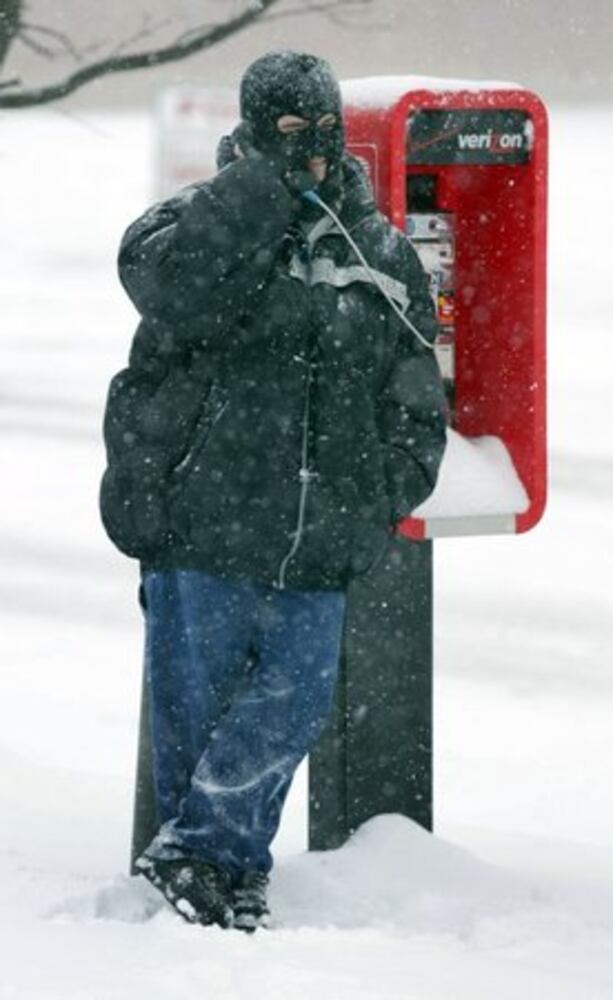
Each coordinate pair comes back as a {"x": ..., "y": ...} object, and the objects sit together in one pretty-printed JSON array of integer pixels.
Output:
[{"x": 293, "y": 83}]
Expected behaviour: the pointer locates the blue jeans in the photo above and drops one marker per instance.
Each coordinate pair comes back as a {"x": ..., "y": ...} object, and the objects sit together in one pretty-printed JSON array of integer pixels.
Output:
[{"x": 241, "y": 679}]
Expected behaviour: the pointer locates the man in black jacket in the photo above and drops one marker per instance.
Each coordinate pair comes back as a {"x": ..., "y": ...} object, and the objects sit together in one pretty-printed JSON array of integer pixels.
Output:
[{"x": 277, "y": 418}]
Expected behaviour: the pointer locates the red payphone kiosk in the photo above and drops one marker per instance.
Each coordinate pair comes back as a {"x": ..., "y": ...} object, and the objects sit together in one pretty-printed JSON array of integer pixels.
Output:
[{"x": 462, "y": 169}]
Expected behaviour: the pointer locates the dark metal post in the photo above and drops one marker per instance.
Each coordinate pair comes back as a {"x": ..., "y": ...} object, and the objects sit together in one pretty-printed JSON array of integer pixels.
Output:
[
  {"x": 145, "y": 822},
  {"x": 375, "y": 755}
]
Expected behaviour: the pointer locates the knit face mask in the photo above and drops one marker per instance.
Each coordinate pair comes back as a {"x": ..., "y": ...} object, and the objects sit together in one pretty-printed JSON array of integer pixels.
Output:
[{"x": 291, "y": 85}]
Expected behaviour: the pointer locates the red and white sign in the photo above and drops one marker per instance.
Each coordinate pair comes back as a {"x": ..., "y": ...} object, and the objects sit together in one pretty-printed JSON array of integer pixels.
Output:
[{"x": 190, "y": 120}]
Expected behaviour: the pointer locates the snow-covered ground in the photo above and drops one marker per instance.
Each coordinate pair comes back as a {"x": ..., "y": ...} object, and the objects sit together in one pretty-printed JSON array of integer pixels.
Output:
[{"x": 513, "y": 897}]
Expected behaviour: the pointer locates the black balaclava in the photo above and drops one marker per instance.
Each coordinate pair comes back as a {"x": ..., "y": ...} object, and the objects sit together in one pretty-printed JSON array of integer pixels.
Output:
[{"x": 294, "y": 83}]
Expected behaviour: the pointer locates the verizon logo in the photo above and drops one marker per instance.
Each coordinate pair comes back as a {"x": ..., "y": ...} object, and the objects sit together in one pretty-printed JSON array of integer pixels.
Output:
[{"x": 494, "y": 142}]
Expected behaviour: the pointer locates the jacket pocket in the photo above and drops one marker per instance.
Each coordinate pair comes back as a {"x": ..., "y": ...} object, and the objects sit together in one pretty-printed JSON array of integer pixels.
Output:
[
  {"x": 345, "y": 533},
  {"x": 215, "y": 404},
  {"x": 187, "y": 475},
  {"x": 133, "y": 503},
  {"x": 327, "y": 535}
]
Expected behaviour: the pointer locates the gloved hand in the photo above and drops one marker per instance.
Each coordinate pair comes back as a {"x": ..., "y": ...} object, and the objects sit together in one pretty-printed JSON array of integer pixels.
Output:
[{"x": 297, "y": 181}]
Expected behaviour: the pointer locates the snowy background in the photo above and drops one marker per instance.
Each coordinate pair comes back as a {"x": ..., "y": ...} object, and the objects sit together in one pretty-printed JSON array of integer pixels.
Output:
[{"x": 513, "y": 897}]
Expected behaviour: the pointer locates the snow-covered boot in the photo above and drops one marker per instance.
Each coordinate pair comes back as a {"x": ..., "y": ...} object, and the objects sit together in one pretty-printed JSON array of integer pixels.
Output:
[
  {"x": 249, "y": 901},
  {"x": 200, "y": 892}
]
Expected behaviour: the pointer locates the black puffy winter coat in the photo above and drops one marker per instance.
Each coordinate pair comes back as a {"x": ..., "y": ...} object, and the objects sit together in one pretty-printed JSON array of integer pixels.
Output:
[{"x": 276, "y": 418}]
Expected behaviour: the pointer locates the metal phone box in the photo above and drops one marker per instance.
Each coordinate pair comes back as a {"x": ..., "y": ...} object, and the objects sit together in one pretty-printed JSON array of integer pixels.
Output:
[{"x": 462, "y": 170}]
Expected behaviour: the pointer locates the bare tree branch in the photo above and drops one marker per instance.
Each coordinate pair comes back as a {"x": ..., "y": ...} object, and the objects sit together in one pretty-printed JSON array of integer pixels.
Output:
[
  {"x": 13, "y": 28},
  {"x": 206, "y": 38},
  {"x": 13, "y": 82},
  {"x": 333, "y": 9},
  {"x": 148, "y": 28},
  {"x": 37, "y": 47},
  {"x": 190, "y": 33},
  {"x": 25, "y": 32}
]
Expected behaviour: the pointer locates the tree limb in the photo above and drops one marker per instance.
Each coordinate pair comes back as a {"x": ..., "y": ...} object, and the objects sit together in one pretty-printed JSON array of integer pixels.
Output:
[
  {"x": 141, "y": 60},
  {"x": 26, "y": 29},
  {"x": 13, "y": 82},
  {"x": 333, "y": 9},
  {"x": 148, "y": 28}
]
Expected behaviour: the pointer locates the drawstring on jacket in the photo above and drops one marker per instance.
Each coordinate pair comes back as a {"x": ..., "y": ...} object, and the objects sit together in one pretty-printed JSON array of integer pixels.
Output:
[{"x": 305, "y": 476}]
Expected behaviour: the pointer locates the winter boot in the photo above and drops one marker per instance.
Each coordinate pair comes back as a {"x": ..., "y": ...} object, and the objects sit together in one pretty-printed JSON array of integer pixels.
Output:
[
  {"x": 200, "y": 892},
  {"x": 249, "y": 901}
]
